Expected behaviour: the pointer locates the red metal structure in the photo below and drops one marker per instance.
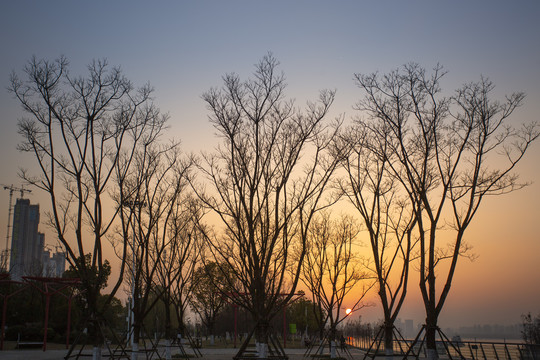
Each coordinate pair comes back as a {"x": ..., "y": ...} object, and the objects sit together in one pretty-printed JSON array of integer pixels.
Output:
[
  {"x": 46, "y": 286},
  {"x": 231, "y": 297},
  {"x": 5, "y": 282},
  {"x": 49, "y": 287}
]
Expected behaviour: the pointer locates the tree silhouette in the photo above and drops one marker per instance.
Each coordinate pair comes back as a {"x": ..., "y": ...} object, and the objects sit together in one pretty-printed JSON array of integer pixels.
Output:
[
  {"x": 156, "y": 204},
  {"x": 531, "y": 329},
  {"x": 448, "y": 153},
  {"x": 332, "y": 269},
  {"x": 78, "y": 129},
  {"x": 265, "y": 183},
  {"x": 385, "y": 210},
  {"x": 208, "y": 297}
]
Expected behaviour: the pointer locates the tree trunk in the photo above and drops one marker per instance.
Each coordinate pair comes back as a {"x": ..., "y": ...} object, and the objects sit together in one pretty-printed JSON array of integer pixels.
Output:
[
  {"x": 332, "y": 341},
  {"x": 135, "y": 351},
  {"x": 135, "y": 347},
  {"x": 167, "y": 304},
  {"x": 93, "y": 332},
  {"x": 168, "y": 354},
  {"x": 261, "y": 339},
  {"x": 389, "y": 339},
  {"x": 431, "y": 333},
  {"x": 211, "y": 325},
  {"x": 168, "y": 335},
  {"x": 180, "y": 319},
  {"x": 93, "y": 327},
  {"x": 96, "y": 353},
  {"x": 333, "y": 353}
]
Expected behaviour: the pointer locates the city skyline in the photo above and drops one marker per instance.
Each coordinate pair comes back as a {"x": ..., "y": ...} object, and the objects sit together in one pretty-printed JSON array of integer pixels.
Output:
[
  {"x": 185, "y": 49},
  {"x": 26, "y": 241},
  {"x": 27, "y": 253}
]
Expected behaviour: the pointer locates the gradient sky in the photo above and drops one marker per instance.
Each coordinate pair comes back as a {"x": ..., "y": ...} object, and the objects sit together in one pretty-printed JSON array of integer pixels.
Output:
[{"x": 184, "y": 47}]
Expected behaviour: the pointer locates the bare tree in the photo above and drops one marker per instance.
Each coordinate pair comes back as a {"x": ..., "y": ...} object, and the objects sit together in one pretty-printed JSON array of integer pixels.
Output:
[
  {"x": 531, "y": 330},
  {"x": 451, "y": 152},
  {"x": 173, "y": 280},
  {"x": 78, "y": 128},
  {"x": 332, "y": 269},
  {"x": 208, "y": 299},
  {"x": 267, "y": 181},
  {"x": 167, "y": 272},
  {"x": 386, "y": 212},
  {"x": 157, "y": 205}
]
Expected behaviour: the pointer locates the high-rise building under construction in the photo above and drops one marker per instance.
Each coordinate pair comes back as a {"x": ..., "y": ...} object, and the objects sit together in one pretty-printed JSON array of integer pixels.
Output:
[{"x": 26, "y": 242}]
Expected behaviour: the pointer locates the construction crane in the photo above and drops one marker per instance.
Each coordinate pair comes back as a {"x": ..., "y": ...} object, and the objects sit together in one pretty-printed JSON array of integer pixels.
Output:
[{"x": 11, "y": 189}]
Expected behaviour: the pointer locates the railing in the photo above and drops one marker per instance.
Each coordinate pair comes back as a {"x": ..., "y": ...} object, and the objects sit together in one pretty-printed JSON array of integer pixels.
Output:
[
  {"x": 470, "y": 350},
  {"x": 480, "y": 350}
]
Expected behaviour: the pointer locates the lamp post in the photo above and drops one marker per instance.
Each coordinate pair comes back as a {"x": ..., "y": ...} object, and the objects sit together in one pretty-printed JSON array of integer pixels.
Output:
[{"x": 132, "y": 204}]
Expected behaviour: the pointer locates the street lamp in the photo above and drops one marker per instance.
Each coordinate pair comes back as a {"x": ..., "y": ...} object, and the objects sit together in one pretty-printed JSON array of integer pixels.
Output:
[{"x": 132, "y": 204}]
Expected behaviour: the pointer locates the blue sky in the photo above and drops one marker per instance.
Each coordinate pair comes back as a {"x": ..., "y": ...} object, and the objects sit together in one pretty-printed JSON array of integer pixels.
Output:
[{"x": 184, "y": 47}]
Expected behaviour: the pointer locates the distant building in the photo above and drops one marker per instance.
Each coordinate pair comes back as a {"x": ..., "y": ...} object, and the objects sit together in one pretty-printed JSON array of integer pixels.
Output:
[
  {"x": 399, "y": 324},
  {"x": 55, "y": 265},
  {"x": 26, "y": 242},
  {"x": 409, "y": 329},
  {"x": 406, "y": 328}
]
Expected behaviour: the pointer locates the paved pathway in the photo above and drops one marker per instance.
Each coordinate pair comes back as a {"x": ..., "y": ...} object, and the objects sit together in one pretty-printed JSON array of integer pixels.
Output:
[{"x": 208, "y": 354}]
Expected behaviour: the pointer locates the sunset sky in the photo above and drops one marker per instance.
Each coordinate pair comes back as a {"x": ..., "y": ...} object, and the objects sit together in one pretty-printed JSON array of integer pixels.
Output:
[{"x": 183, "y": 48}]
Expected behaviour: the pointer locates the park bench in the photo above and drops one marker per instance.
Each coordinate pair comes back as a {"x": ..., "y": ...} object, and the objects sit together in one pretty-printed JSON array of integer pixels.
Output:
[{"x": 29, "y": 344}]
